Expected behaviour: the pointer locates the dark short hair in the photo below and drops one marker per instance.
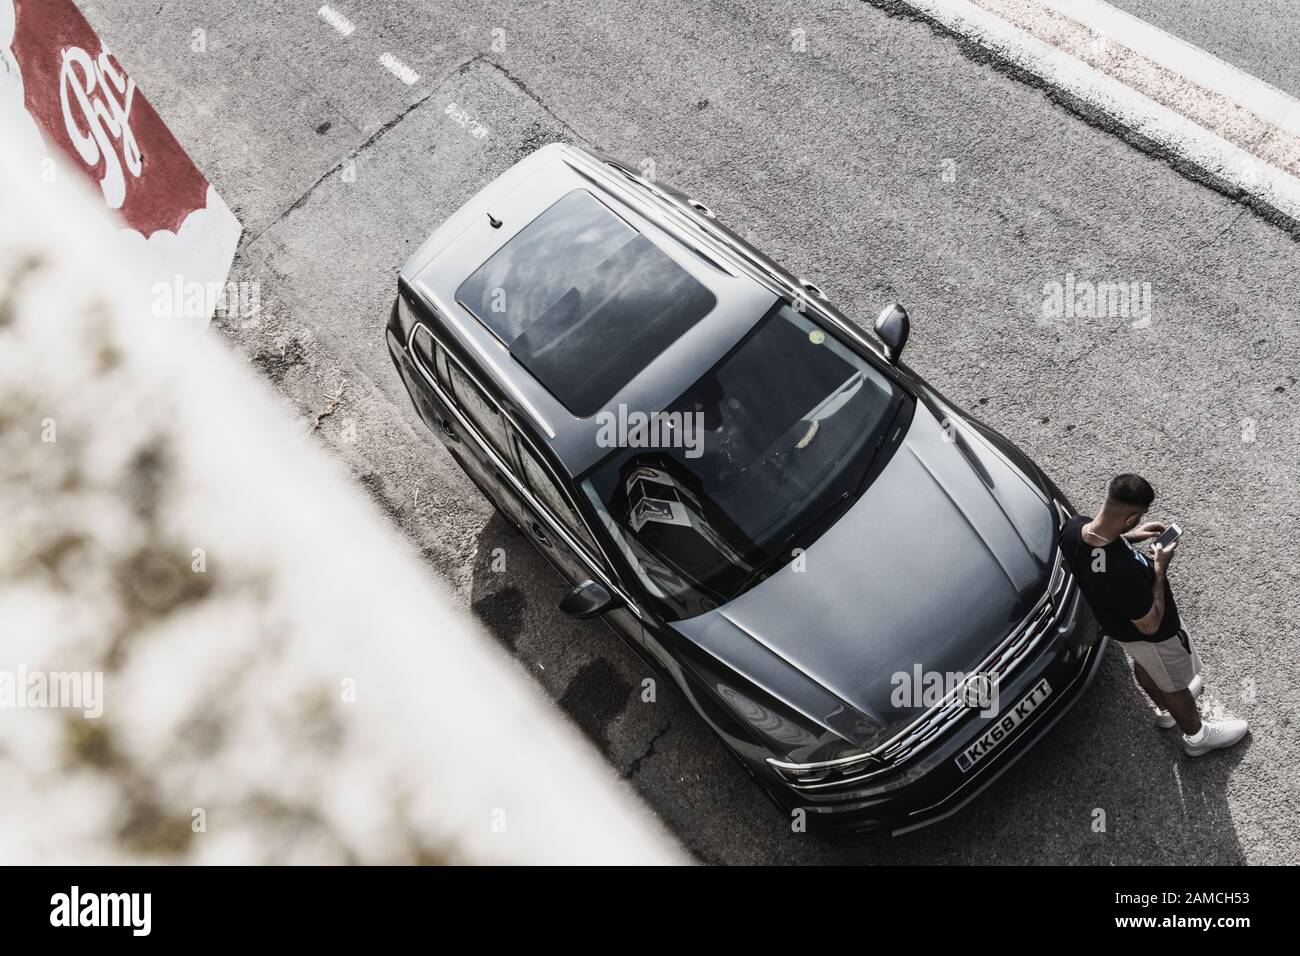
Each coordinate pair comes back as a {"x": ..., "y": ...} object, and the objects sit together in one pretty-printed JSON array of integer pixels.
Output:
[{"x": 1131, "y": 491}]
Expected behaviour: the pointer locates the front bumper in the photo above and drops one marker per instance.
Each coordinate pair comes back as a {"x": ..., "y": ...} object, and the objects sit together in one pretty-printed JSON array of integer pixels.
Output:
[{"x": 933, "y": 786}]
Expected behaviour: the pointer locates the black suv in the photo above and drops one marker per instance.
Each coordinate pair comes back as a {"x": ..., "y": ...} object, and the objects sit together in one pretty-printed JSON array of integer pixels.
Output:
[{"x": 856, "y": 584}]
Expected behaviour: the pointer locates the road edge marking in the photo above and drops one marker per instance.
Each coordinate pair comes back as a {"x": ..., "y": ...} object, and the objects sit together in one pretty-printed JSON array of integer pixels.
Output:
[
  {"x": 1195, "y": 64},
  {"x": 1202, "y": 155}
]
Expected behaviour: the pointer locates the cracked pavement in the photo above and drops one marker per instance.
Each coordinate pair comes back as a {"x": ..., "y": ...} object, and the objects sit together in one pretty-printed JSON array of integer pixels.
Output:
[{"x": 883, "y": 163}]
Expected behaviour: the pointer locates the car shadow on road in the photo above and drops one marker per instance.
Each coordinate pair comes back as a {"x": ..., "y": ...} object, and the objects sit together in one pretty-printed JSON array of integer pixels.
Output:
[
  {"x": 515, "y": 593},
  {"x": 1103, "y": 787}
]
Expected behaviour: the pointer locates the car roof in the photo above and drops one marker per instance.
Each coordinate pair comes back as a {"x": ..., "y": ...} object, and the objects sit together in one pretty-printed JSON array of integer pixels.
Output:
[
  {"x": 583, "y": 301},
  {"x": 459, "y": 248}
]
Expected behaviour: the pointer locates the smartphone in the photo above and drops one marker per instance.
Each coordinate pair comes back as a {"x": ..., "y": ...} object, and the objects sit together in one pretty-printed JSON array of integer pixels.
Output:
[{"x": 1168, "y": 536}]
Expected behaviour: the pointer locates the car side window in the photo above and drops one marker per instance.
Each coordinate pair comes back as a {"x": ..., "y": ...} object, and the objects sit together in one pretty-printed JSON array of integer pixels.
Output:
[
  {"x": 430, "y": 354},
  {"x": 444, "y": 377},
  {"x": 479, "y": 409},
  {"x": 540, "y": 482},
  {"x": 424, "y": 347}
]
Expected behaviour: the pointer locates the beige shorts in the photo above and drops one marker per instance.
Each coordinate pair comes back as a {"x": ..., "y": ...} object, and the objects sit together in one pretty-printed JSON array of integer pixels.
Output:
[{"x": 1171, "y": 663}]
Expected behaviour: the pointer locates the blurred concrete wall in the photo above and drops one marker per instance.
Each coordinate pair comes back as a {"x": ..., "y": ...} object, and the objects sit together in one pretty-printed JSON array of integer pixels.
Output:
[{"x": 279, "y": 678}]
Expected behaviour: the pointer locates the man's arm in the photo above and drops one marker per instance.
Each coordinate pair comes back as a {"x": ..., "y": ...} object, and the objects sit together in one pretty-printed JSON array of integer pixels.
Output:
[
  {"x": 1152, "y": 529},
  {"x": 1149, "y": 623}
]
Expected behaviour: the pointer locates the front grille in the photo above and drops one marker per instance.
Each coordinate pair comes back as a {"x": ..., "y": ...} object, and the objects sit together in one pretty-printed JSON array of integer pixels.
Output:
[{"x": 939, "y": 720}]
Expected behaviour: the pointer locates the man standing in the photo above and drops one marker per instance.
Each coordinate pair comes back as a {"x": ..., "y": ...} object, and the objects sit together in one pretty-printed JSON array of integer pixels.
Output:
[{"x": 1131, "y": 597}]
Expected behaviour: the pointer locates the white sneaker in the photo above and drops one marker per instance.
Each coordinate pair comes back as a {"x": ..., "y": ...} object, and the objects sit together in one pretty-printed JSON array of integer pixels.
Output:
[
  {"x": 1164, "y": 719},
  {"x": 1215, "y": 735}
]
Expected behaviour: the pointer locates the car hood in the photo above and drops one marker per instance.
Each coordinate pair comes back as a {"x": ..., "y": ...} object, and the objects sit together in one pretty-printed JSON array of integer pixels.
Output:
[{"x": 940, "y": 557}]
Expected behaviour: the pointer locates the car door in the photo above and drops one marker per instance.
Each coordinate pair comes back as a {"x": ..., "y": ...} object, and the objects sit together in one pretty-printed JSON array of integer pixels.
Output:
[
  {"x": 560, "y": 531},
  {"x": 469, "y": 422}
]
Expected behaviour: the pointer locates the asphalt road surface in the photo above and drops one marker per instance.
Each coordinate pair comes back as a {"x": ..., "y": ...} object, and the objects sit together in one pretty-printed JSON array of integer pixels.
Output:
[{"x": 883, "y": 163}]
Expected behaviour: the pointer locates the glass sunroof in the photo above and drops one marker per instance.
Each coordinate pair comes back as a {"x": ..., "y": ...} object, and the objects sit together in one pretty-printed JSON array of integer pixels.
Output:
[{"x": 584, "y": 301}]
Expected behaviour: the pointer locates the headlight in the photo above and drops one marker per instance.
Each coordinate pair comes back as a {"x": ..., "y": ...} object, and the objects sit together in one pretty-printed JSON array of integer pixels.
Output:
[{"x": 845, "y": 769}]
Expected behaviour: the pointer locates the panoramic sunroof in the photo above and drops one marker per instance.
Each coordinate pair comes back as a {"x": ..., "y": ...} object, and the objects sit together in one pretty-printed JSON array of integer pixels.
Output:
[{"x": 584, "y": 301}]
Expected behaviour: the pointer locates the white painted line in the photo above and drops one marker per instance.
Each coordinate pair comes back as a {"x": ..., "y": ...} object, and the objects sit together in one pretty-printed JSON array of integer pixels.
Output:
[
  {"x": 1173, "y": 53},
  {"x": 1194, "y": 101},
  {"x": 399, "y": 69},
  {"x": 337, "y": 20},
  {"x": 1135, "y": 111}
]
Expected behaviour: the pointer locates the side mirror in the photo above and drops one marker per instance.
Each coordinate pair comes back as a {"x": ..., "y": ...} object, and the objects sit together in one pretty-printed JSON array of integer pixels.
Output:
[
  {"x": 893, "y": 328},
  {"x": 588, "y": 599}
]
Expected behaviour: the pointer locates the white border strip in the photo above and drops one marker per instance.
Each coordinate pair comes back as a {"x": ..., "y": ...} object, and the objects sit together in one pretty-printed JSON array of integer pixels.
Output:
[
  {"x": 1131, "y": 109},
  {"x": 1191, "y": 62}
]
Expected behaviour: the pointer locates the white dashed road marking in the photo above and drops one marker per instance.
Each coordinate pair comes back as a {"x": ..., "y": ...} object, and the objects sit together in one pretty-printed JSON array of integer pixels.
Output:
[
  {"x": 337, "y": 20},
  {"x": 388, "y": 61},
  {"x": 399, "y": 69},
  {"x": 1192, "y": 104}
]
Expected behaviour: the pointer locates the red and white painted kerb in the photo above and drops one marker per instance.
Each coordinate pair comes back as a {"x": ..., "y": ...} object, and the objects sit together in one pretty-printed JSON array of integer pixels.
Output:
[{"x": 72, "y": 95}]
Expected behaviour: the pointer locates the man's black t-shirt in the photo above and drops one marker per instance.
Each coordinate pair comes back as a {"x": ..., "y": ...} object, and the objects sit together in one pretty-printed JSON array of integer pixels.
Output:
[{"x": 1116, "y": 581}]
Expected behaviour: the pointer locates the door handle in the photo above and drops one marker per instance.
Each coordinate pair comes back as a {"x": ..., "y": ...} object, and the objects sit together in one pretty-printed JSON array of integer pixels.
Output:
[
  {"x": 538, "y": 532},
  {"x": 447, "y": 430}
]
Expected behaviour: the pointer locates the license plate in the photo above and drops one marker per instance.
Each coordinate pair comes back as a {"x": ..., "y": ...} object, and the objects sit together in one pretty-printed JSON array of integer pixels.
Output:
[{"x": 1004, "y": 726}]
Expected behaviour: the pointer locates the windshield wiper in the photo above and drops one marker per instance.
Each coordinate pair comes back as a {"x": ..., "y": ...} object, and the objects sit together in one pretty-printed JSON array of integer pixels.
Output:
[{"x": 776, "y": 558}]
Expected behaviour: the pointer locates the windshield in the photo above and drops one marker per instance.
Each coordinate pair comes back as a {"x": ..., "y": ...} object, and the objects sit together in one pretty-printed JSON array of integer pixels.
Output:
[{"x": 776, "y": 437}]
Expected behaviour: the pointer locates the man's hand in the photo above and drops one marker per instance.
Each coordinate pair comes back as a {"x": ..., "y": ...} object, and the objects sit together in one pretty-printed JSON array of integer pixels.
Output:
[
  {"x": 1161, "y": 555},
  {"x": 1147, "y": 531}
]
